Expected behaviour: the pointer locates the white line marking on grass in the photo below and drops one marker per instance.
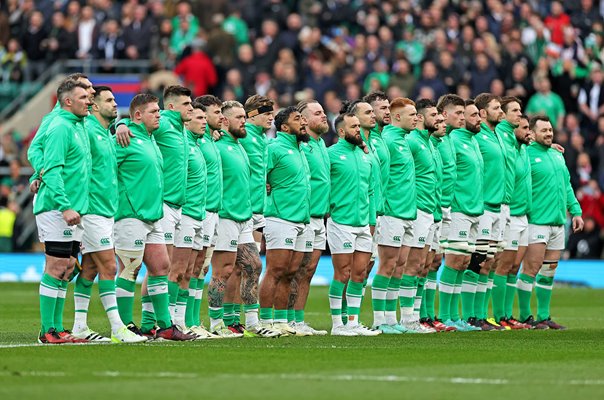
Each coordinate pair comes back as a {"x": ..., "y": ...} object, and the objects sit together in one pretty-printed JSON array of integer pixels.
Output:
[
  {"x": 16, "y": 345},
  {"x": 181, "y": 375}
]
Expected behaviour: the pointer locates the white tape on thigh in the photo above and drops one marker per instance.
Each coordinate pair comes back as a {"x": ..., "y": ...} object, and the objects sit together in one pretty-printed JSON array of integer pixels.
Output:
[
  {"x": 458, "y": 248},
  {"x": 259, "y": 246},
  {"x": 208, "y": 260},
  {"x": 132, "y": 260}
]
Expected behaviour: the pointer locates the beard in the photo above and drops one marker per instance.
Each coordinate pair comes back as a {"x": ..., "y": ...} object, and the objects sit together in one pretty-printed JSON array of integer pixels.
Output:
[
  {"x": 238, "y": 133},
  {"x": 354, "y": 139},
  {"x": 302, "y": 137},
  {"x": 473, "y": 128},
  {"x": 319, "y": 129}
]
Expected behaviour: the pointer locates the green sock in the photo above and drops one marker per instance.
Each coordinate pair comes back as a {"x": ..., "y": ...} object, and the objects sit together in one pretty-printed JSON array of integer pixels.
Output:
[
  {"x": 124, "y": 291},
  {"x": 172, "y": 295},
  {"x": 148, "y": 316},
  {"x": 299, "y": 316},
  {"x": 158, "y": 291},
  {"x": 49, "y": 289},
  {"x": 499, "y": 290},
  {"x": 510, "y": 293},
  {"x": 468, "y": 294},
  {"x": 446, "y": 289},
  {"x": 430, "y": 294},
  {"x": 236, "y": 313},
  {"x": 487, "y": 296},
  {"x": 336, "y": 290},
  {"x": 228, "y": 313},
  {"x": 394, "y": 286},
  {"x": 417, "y": 301},
  {"x": 379, "y": 291},
  {"x": 107, "y": 295},
  {"x": 480, "y": 294},
  {"x": 60, "y": 306},
  {"x": 280, "y": 316},
  {"x": 354, "y": 295},
  {"x": 197, "y": 304},
  {"x": 344, "y": 309},
  {"x": 406, "y": 296},
  {"x": 180, "y": 313},
  {"x": 189, "y": 320},
  {"x": 524, "y": 286},
  {"x": 81, "y": 301},
  {"x": 543, "y": 290},
  {"x": 291, "y": 315},
  {"x": 456, "y": 297},
  {"x": 266, "y": 314}
]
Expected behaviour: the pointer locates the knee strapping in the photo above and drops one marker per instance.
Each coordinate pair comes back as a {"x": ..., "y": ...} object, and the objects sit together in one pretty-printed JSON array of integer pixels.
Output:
[
  {"x": 132, "y": 260},
  {"x": 75, "y": 249},
  {"x": 458, "y": 248},
  {"x": 58, "y": 249},
  {"x": 475, "y": 261},
  {"x": 548, "y": 268}
]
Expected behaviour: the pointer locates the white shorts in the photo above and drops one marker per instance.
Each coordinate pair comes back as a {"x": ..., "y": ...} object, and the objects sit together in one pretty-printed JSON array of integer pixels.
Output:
[
  {"x": 517, "y": 233},
  {"x": 286, "y": 235},
  {"x": 393, "y": 232},
  {"x": 53, "y": 228},
  {"x": 168, "y": 223},
  {"x": 435, "y": 246},
  {"x": 504, "y": 221},
  {"x": 210, "y": 225},
  {"x": 445, "y": 227},
  {"x": 344, "y": 239},
  {"x": 489, "y": 226},
  {"x": 552, "y": 236},
  {"x": 317, "y": 228},
  {"x": 133, "y": 234},
  {"x": 231, "y": 234},
  {"x": 258, "y": 221},
  {"x": 189, "y": 233},
  {"x": 462, "y": 234},
  {"x": 98, "y": 233},
  {"x": 422, "y": 231}
]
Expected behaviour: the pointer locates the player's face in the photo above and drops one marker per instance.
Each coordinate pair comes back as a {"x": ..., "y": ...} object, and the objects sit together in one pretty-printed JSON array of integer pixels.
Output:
[
  {"x": 514, "y": 113},
  {"x": 106, "y": 105},
  {"x": 316, "y": 119},
  {"x": 214, "y": 117},
  {"x": 408, "y": 115},
  {"x": 352, "y": 130},
  {"x": 149, "y": 116},
  {"x": 522, "y": 132},
  {"x": 430, "y": 115},
  {"x": 472, "y": 118},
  {"x": 264, "y": 120},
  {"x": 198, "y": 122},
  {"x": 80, "y": 101},
  {"x": 297, "y": 126},
  {"x": 89, "y": 89},
  {"x": 440, "y": 128},
  {"x": 455, "y": 116},
  {"x": 494, "y": 112},
  {"x": 365, "y": 115},
  {"x": 381, "y": 108},
  {"x": 236, "y": 121},
  {"x": 544, "y": 133},
  {"x": 183, "y": 105}
]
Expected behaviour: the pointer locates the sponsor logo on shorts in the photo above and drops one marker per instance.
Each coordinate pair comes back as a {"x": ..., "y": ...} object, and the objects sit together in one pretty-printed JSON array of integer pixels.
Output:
[
  {"x": 309, "y": 244},
  {"x": 289, "y": 241},
  {"x": 68, "y": 232},
  {"x": 105, "y": 241},
  {"x": 347, "y": 245},
  {"x": 514, "y": 243},
  {"x": 422, "y": 239},
  {"x": 486, "y": 231},
  {"x": 540, "y": 236},
  {"x": 463, "y": 234},
  {"x": 188, "y": 239},
  {"x": 396, "y": 238},
  {"x": 168, "y": 235},
  {"x": 206, "y": 237},
  {"x": 138, "y": 243},
  {"x": 234, "y": 243}
]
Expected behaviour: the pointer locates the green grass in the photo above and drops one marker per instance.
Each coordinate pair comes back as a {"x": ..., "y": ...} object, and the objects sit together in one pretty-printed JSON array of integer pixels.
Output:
[{"x": 526, "y": 364}]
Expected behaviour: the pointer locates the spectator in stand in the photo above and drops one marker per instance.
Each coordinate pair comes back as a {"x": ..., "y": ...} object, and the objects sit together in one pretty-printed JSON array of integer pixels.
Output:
[
  {"x": 221, "y": 45},
  {"x": 87, "y": 31},
  {"x": 585, "y": 16},
  {"x": 483, "y": 72},
  {"x": 13, "y": 63},
  {"x": 237, "y": 27},
  {"x": 32, "y": 46},
  {"x": 588, "y": 243},
  {"x": 197, "y": 71},
  {"x": 61, "y": 43},
  {"x": 591, "y": 97},
  {"x": 109, "y": 46},
  {"x": 8, "y": 214},
  {"x": 183, "y": 13},
  {"x": 137, "y": 35},
  {"x": 547, "y": 102},
  {"x": 182, "y": 36},
  {"x": 556, "y": 22},
  {"x": 430, "y": 79}
]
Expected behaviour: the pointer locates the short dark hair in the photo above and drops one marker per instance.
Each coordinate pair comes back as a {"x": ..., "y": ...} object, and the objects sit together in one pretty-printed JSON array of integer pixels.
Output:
[
  {"x": 469, "y": 102},
  {"x": 448, "y": 100},
  {"x": 66, "y": 87},
  {"x": 340, "y": 119},
  {"x": 77, "y": 75},
  {"x": 303, "y": 105},
  {"x": 198, "y": 105},
  {"x": 141, "y": 100},
  {"x": 536, "y": 118},
  {"x": 374, "y": 96},
  {"x": 100, "y": 89},
  {"x": 349, "y": 107},
  {"x": 256, "y": 101},
  {"x": 422, "y": 104},
  {"x": 207, "y": 101},
  {"x": 283, "y": 115},
  {"x": 507, "y": 100},
  {"x": 483, "y": 99},
  {"x": 175, "y": 91}
]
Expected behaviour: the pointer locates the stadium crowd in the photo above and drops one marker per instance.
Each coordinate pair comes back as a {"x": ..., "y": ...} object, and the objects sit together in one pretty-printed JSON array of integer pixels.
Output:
[{"x": 548, "y": 54}]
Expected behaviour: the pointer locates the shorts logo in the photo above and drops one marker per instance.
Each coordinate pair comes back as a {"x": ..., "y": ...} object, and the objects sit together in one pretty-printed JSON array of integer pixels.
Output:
[
  {"x": 138, "y": 243},
  {"x": 514, "y": 243},
  {"x": 308, "y": 244},
  {"x": 485, "y": 232},
  {"x": 188, "y": 239},
  {"x": 68, "y": 232},
  {"x": 168, "y": 235},
  {"x": 463, "y": 234},
  {"x": 289, "y": 241},
  {"x": 347, "y": 245},
  {"x": 396, "y": 239},
  {"x": 206, "y": 237},
  {"x": 422, "y": 239},
  {"x": 234, "y": 243},
  {"x": 540, "y": 236},
  {"x": 105, "y": 241}
]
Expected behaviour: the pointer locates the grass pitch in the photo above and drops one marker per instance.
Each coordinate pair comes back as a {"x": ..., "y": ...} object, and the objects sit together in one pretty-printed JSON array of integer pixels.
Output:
[{"x": 474, "y": 365}]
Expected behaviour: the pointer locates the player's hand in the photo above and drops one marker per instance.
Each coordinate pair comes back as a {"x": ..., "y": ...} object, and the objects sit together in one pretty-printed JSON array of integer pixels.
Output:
[
  {"x": 216, "y": 135},
  {"x": 35, "y": 186},
  {"x": 268, "y": 189},
  {"x": 556, "y": 146},
  {"x": 364, "y": 147},
  {"x": 123, "y": 135},
  {"x": 578, "y": 224},
  {"x": 71, "y": 217}
]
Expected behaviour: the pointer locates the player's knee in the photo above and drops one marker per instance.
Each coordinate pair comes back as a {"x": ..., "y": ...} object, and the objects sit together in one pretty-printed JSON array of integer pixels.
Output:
[
  {"x": 132, "y": 261},
  {"x": 476, "y": 260},
  {"x": 58, "y": 249},
  {"x": 548, "y": 268}
]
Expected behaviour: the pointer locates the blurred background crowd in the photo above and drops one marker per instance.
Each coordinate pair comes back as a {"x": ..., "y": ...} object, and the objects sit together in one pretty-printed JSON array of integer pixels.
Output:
[{"x": 547, "y": 53}]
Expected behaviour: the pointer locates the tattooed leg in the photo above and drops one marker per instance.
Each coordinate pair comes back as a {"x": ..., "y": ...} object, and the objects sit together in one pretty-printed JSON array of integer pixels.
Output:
[
  {"x": 285, "y": 283},
  {"x": 301, "y": 283},
  {"x": 248, "y": 260},
  {"x": 223, "y": 263}
]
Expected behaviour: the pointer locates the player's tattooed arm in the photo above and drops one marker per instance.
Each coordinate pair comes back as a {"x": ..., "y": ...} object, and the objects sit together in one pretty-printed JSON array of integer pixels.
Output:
[{"x": 248, "y": 260}]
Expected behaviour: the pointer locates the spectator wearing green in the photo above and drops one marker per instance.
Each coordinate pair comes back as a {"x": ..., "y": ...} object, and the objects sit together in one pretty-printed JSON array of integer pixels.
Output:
[{"x": 546, "y": 102}]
